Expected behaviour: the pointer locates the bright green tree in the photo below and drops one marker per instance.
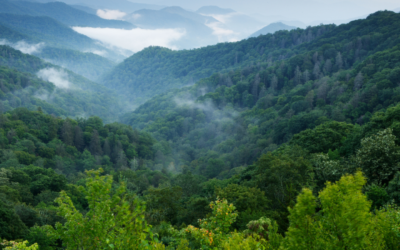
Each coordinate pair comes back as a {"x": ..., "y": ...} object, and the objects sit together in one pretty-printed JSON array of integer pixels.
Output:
[
  {"x": 114, "y": 220},
  {"x": 343, "y": 222}
]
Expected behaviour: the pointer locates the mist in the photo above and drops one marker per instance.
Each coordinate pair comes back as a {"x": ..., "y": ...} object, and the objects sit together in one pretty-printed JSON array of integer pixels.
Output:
[
  {"x": 24, "y": 47},
  {"x": 135, "y": 39},
  {"x": 111, "y": 14},
  {"x": 306, "y": 10},
  {"x": 58, "y": 77}
]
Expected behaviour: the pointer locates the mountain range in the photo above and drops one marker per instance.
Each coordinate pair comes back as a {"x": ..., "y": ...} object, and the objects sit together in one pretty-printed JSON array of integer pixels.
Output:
[
  {"x": 234, "y": 139},
  {"x": 272, "y": 28},
  {"x": 61, "y": 12}
]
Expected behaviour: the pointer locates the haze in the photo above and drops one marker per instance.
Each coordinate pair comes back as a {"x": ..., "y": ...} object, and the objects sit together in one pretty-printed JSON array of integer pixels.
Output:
[
  {"x": 182, "y": 24},
  {"x": 302, "y": 10}
]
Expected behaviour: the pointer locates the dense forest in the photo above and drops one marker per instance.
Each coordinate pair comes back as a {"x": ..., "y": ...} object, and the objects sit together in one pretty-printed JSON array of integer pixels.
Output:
[
  {"x": 21, "y": 85},
  {"x": 288, "y": 141}
]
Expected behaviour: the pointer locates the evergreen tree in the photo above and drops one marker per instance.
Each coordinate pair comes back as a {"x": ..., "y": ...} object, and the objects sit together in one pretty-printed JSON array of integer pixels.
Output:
[
  {"x": 78, "y": 138},
  {"x": 95, "y": 144}
]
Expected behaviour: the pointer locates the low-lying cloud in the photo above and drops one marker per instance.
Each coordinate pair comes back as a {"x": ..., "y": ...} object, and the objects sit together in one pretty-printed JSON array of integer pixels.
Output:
[
  {"x": 134, "y": 40},
  {"x": 111, "y": 14},
  {"x": 223, "y": 34},
  {"x": 24, "y": 47},
  {"x": 58, "y": 77}
]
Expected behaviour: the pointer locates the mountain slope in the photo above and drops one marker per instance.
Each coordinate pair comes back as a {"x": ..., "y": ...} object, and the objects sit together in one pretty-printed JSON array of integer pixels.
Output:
[
  {"x": 122, "y": 5},
  {"x": 87, "y": 64},
  {"x": 190, "y": 15},
  {"x": 214, "y": 10},
  {"x": 63, "y": 13},
  {"x": 155, "y": 70},
  {"x": 30, "y": 82},
  {"x": 272, "y": 28},
  {"x": 47, "y": 29},
  {"x": 229, "y": 119}
]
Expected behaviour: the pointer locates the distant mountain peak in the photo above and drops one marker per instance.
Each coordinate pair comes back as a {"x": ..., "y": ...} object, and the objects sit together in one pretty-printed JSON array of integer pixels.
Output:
[
  {"x": 272, "y": 28},
  {"x": 214, "y": 10},
  {"x": 175, "y": 8}
]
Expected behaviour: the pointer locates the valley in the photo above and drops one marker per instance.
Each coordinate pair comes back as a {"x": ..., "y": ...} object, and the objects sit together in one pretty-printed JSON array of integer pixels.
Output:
[{"x": 238, "y": 135}]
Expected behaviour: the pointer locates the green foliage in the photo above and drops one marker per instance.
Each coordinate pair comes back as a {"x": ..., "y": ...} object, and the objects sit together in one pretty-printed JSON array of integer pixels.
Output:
[
  {"x": 325, "y": 137},
  {"x": 20, "y": 246},
  {"x": 162, "y": 204},
  {"x": 378, "y": 196},
  {"x": 21, "y": 88},
  {"x": 378, "y": 156},
  {"x": 344, "y": 221},
  {"x": 393, "y": 188},
  {"x": 282, "y": 175},
  {"x": 115, "y": 220}
]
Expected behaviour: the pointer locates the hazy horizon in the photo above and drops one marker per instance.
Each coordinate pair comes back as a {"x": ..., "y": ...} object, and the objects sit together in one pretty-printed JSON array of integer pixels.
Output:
[
  {"x": 167, "y": 31},
  {"x": 305, "y": 10}
]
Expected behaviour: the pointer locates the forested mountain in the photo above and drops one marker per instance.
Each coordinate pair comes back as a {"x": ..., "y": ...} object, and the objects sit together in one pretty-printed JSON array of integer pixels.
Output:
[
  {"x": 42, "y": 155},
  {"x": 272, "y": 28},
  {"x": 233, "y": 117},
  {"x": 77, "y": 56},
  {"x": 155, "y": 70},
  {"x": 123, "y": 5},
  {"x": 68, "y": 94},
  {"x": 61, "y": 12},
  {"x": 49, "y": 30},
  {"x": 283, "y": 141},
  {"x": 87, "y": 64}
]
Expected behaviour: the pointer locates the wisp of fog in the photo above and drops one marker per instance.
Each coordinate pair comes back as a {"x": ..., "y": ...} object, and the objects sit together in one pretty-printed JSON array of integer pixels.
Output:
[
  {"x": 58, "y": 77},
  {"x": 23, "y": 46},
  {"x": 135, "y": 39}
]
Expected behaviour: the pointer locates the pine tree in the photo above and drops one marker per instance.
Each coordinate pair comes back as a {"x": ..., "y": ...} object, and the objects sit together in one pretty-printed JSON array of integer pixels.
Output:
[
  {"x": 339, "y": 61},
  {"x": 358, "y": 81},
  {"x": 106, "y": 148},
  {"x": 67, "y": 133},
  {"x": 95, "y": 145},
  {"x": 78, "y": 138}
]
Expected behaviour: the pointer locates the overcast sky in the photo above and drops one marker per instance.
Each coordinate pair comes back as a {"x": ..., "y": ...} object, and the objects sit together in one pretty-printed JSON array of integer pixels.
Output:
[{"x": 303, "y": 10}]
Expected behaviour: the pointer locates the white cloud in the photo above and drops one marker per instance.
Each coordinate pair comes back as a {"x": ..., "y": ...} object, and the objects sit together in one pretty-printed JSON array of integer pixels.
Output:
[
  {"x": 23, "y": 46},
  {"x": 111, "y": 14},
  {"x": 58, "y": 77},
  {"x": 223, "y": 35},
  {"x": 135, "y": 39},
  {"x": 97, "y": 52},
  {"x": 136, "y": 16},
  {"x": 224, "y": 18}
]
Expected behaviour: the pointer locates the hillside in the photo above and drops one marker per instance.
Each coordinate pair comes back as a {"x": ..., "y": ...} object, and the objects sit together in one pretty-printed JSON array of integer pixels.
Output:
[
  {"x": 49, "y": 30},
  {"x": 283, "y": 141},
  {"x": 164, "y": 69},
  {"x": 87, "y": 64},
  {"x": 235, "y": 116},
  {"x": 272, "y": 28},
  {"x": 29, "y": 82},
  {"x": 76, "y": 55},
  {"x": 61, "y": 12}
]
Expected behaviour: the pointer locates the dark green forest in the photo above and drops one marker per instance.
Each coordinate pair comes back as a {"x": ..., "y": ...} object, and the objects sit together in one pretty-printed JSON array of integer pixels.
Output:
[{"x": 289, "y": 140}]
